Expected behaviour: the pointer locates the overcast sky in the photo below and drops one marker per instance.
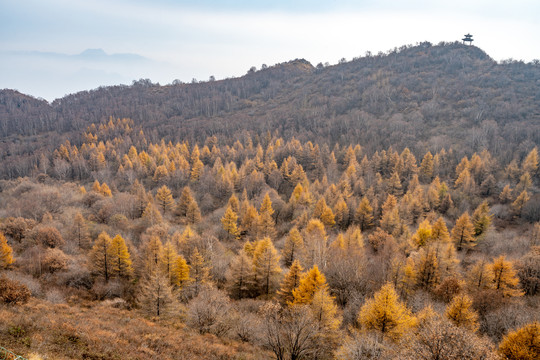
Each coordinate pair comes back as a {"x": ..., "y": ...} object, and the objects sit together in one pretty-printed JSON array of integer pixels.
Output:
[{"x": 185, "y": 39}]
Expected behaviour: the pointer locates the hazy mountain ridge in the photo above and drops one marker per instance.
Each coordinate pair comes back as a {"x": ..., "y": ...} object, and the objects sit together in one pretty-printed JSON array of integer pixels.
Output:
[{"x": 423, "y": 97}]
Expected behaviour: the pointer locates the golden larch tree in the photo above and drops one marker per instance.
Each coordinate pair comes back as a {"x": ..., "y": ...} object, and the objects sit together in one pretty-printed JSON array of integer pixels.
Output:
[
  {"x": 6, "y": 253},
  {"x": 439, "y": 231},
  {"x": 290, "y": 282},
  {"x": 120, "y": 258},
  {"x": 293, "y": 247},
  {"x": 463, "y": 232},
  {"x": 505, "y": 279},
  {"x": 520, "y": 202},
  {"x": 164, "y": 199},
  {"x": 167, "y": 259},
  {"x": 229, "y": 222},
  {"x": 199, "y": 271},
  {"x": 460, "y": 312},
  {"x": 240, "y": 276},
  {"x": 479, "y": 276},
  {"x": 481, "y": 219},
  {"x": 423, "y": 234},
  {"x": 100, "y": 255},
  {"x": 309, "y": 284},
  {"x": 315, "y": 244},
  {"x": 266, "y": 221},
  {"x": 266, "y": 266},
  {"x": 364, "y": 214},
  {"x": 180, "y": 272},
  {"x": 386, "y": 314},
  {"x": 156, "y": 296},
  {"x": 522, "y": 344},
  {"x": 341, "y": 214}
]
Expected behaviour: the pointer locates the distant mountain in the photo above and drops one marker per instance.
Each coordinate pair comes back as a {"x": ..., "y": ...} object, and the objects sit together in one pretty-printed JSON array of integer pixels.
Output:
[
  {"x": 423, "y": 97},
  {"x": 88, "y": 54}
]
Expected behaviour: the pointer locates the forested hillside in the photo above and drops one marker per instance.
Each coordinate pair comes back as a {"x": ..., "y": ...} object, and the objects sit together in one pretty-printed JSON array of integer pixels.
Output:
[
  {"x": 422, "y": 97},
  {"x": 383, "y": 208}
]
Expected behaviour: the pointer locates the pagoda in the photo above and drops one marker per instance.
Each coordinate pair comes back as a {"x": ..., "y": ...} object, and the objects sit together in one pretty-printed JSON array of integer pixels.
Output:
[{"x": 468, "y": 38}]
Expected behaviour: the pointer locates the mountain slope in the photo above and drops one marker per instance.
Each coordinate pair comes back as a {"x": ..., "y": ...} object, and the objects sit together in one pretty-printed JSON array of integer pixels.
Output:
[{"x": 423, "y": 97}]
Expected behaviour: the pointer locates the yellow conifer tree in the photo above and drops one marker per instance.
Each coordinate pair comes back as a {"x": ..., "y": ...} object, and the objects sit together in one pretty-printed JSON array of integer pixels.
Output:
[
  {"x": 266, "y": 266},
  {"x": 505, "y": 279},
  {"x": 293, "y": 248},
  {"x": 229, "y": 222},
  {"x": 386, "y": 313},
  {"x": 460, "y": 312},
  {"x": 240, "y": 276},
  {"x": 164, "y": 199},
  {"x": 522, "y": 344},
  {"x": 180, "y": 272},
  {"x": 100, "y": 255},
  {"x": 168, "y": 258},
  {"x": 120, "y": 259},
  {"x": 266, "y": 221},
  {"x": 199, "y": 272},
  {"x": 463, "y": 232},
  {"x": 6, "y": 253},
  {"x": 423, "y": 234},
  {"x": 310, "y": 283},
  {"x": 290, "y": 282},
  {"x": 364, "y": 214}
]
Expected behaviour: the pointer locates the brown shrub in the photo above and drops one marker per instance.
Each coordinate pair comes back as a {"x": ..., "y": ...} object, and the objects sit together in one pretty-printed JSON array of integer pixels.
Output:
[
  {"x": 48, "y": 236},
  {"x": 13, "y": 292}
]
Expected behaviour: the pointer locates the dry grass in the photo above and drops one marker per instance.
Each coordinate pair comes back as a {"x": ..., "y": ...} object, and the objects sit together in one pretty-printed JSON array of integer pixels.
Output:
[{"x": 58, "y": 331}]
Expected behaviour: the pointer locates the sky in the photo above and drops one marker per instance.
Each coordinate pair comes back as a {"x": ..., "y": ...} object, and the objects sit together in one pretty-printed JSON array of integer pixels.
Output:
[{"x": 50, "y": 48}]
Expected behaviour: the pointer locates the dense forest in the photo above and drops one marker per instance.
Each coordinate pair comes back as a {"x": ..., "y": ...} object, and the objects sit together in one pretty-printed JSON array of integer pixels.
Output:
[{"x": 384, "y": 208}]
